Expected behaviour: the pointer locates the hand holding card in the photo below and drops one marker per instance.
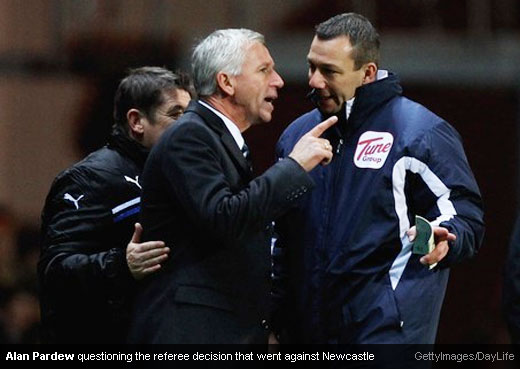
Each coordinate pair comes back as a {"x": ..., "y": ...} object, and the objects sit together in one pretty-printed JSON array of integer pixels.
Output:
[{"x": 424, "y": 242}]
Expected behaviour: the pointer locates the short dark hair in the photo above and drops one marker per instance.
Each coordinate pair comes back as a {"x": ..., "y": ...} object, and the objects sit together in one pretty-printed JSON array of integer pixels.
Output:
[
  {"x": 362, "y": 36},
  {"x": 142, "y": 89}
]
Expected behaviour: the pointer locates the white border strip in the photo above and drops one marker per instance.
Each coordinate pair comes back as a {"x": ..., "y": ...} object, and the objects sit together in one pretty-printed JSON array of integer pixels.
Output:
[
  {"x": 444, "y": 203},
  {"x": 126, "y": 205}
]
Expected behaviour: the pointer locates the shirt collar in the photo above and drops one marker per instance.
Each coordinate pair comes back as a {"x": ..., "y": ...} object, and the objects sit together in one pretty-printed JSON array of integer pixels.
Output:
[
  {"x": 349, "y": 106},
  {"x": 381, "y": 74},
  {"x": 232, "y": 127}
]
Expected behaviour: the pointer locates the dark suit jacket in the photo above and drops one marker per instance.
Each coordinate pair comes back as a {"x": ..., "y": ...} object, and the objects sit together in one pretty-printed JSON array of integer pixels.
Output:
[{"x": 200, "y": 198}]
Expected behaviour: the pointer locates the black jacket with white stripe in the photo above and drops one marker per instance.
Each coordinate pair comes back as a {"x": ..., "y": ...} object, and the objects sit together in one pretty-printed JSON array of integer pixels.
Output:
[{"x": 87, "y": 221}]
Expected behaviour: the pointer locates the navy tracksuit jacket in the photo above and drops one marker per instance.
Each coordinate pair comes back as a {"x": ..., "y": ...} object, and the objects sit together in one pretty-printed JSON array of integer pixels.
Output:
[{"x": 343, "y": 268}]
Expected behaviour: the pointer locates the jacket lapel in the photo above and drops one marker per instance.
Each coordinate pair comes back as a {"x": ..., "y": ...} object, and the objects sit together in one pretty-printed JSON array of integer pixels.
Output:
[{"x": 217, "y": 125}]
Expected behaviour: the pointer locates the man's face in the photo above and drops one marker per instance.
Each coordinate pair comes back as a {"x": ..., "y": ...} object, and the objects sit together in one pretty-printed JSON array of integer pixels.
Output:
[
  {"x": 174, "y": 103},
  {"x": 256, "y": 87},
  {"x": 332, "y": 74}
]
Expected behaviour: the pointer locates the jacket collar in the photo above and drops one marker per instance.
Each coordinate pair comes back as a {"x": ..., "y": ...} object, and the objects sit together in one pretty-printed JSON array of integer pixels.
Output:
[
  {"x": 217, "y": 125},
  {"x": 368, "y": 98},
  {"x": 371, "y": 96},
  {"x": 231, "y": 127},
  {"x": 128, "y": 147}
]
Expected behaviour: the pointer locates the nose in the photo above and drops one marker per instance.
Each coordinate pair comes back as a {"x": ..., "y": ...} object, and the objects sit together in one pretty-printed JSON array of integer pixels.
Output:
[
  {"x": 316, "y": 80},
  {"x": 277, "y": 80}
]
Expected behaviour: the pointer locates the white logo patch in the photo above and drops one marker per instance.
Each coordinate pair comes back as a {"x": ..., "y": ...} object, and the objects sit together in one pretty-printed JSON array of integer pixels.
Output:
[
  {"x": 134, "y": 181},
  {"x": 69, "y": 197},
  {"x": 373, "y": 149}
]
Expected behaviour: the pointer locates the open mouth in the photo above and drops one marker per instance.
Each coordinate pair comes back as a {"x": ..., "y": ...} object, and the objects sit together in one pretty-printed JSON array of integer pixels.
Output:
[
  {"x": 270, "y": 99},
  {"x": 326, "y": 97}
]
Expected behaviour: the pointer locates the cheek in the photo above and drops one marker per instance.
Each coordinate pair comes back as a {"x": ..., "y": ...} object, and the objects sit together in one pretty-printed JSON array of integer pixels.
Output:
[
  {"x": 360, "y": 80},
  {"x": 348, "y": 85},
  {"x": 165, "y": 123},
  {"x": 254, "y": 97},
  {"x": 160, "y": 127},
  {"x": 159, "y": 131}
]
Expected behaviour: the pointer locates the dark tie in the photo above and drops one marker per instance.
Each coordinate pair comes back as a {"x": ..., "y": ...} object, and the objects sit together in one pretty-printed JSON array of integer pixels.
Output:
[{"x": 247, "y": 155}]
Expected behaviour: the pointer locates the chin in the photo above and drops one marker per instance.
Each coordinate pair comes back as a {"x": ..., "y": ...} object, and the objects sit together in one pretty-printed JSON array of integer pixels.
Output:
[
  {"x": 266, "y": 118},
  {"x": 327, "y": 110}
]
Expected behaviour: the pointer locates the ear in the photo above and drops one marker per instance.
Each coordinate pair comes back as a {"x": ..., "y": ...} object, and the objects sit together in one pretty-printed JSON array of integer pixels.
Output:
[
  {"x": 370, "y": 73},
  {"x": 134, "y": 120},
  {"x": 226, "y": 83}
]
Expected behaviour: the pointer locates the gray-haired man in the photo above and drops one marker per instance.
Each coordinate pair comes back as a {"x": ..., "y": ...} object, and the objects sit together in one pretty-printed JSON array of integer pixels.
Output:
[{"x": 199, "y": 194}]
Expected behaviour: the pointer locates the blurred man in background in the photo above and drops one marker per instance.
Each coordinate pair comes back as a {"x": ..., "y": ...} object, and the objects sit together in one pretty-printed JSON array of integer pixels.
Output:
[{"x": 86, "y": 271}]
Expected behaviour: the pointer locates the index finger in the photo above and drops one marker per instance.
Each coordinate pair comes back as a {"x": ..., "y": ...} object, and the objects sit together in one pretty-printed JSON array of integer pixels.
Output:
[
  {"x": 153, "y": 245},
  {"x": 323, "y": 126},
  {"x": 442, "y": 234}
]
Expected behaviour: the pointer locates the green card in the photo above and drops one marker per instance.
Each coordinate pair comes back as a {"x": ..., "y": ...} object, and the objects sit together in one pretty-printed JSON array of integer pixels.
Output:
[{"x": 423, "y": 243}]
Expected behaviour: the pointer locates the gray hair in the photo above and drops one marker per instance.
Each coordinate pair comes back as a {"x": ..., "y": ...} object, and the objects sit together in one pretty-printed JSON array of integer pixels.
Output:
[{"x": 221, "y": 51}]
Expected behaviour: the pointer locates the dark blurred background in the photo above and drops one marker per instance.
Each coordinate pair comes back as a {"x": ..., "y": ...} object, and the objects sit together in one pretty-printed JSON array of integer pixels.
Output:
[{"x": 61, "y": 60}]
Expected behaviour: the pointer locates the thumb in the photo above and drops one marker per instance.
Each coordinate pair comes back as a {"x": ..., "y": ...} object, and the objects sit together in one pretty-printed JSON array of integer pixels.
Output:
[
  {"x": 136, "y": 237},
  {"x": 323, "y": 126},
  {"x": 412, "y": 233}
]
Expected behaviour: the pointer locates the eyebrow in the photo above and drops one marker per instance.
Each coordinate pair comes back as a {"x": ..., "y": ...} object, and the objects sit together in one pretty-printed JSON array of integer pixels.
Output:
[
  {"x": 322, "y": 65},
  {"x": 266, "y": 65}
]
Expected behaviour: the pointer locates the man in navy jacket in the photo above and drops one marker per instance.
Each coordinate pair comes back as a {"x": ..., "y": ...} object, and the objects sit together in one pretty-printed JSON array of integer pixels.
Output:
[{"x": 345, "y": 272}]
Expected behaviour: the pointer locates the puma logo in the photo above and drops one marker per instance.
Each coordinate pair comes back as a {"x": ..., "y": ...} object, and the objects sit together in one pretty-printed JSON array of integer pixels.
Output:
[
  {"x": 134, "y": 181},
  {"x": 69, "y": 197}
]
